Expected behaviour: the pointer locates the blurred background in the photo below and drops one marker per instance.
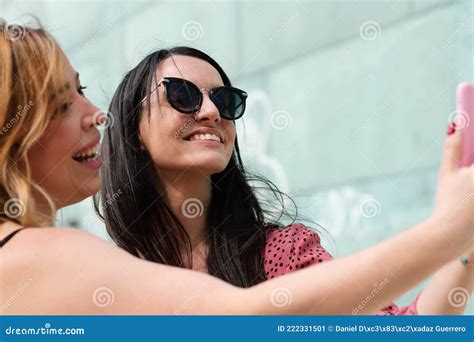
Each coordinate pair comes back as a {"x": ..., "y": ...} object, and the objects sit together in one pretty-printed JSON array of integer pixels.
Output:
[{"x": 349, "y": 101}]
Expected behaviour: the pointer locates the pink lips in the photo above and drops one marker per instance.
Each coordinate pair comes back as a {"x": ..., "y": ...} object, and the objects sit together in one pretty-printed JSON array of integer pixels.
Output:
[{"x": 93, "y": 165}]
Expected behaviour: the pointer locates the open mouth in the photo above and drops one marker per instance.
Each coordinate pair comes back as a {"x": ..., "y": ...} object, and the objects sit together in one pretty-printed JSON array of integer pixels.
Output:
[
  {"x": 204, "y": 137},
  {"x": 88, "y": 155}
]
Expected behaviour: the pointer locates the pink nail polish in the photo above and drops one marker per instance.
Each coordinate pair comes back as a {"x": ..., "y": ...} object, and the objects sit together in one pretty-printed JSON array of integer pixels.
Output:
[{"x": 451, "y": 128}]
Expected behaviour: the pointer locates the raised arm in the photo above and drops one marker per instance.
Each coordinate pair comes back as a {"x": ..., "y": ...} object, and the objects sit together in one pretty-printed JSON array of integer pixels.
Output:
[
  {"x": 74, "y": 273},
  {"x": 339, "y": 285},
  {"x": 102, "y": 279}
]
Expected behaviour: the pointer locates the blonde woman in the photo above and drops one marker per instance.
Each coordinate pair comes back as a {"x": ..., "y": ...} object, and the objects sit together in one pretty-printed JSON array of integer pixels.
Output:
[{"x": 48, "y": 160}]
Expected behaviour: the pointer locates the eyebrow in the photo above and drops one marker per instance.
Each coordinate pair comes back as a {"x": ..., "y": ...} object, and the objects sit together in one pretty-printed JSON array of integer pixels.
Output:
[
  {"x": 77, "y": 77},
  {"x": 68, "y": 85}
]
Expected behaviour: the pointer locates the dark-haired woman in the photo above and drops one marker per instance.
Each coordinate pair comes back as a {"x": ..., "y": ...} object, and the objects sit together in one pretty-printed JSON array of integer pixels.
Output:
[
  {"x": 185, "y": 198},
  {"x": 49, "y": 160}
]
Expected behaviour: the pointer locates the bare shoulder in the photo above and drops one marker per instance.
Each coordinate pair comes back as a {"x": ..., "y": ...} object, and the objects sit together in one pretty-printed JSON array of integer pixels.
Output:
[
  {"x": 54, "y": 245},
  {"x": 66, "y": 271},
  {"x": 56, "y": 269}
]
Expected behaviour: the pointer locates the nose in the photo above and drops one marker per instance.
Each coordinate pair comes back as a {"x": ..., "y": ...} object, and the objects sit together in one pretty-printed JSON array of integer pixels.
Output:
[
  {"x": 93, "y": 116},
  {"x": 208, "y": 111}
]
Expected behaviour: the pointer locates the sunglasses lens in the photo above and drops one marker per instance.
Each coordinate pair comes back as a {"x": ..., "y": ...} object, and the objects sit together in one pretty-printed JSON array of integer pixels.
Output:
[
  {"x": 183, "y": 96},
  {"x": 230, "y": 102}
]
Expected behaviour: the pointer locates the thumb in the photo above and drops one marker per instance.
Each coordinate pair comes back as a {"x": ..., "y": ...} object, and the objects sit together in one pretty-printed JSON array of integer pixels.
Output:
[{"x": 452, "y": 150}]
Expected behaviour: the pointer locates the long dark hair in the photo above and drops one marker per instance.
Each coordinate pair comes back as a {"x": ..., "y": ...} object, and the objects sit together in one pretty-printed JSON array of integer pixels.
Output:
[{"x": 134, "y": 205}]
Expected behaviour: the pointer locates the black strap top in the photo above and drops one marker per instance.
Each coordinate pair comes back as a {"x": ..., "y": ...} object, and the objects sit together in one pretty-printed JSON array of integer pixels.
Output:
[{"x": 9, "y": 236}]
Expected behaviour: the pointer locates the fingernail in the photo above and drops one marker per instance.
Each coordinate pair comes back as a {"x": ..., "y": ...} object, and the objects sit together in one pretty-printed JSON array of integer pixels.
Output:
[{"x": 451, "y": 128}]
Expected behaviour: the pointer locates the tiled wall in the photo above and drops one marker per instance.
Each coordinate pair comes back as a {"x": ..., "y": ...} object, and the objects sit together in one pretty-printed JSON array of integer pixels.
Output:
[{"x": 349, "y": 100}]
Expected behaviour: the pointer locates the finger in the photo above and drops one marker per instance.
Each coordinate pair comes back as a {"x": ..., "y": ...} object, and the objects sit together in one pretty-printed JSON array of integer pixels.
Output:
[{"x": 452, "y": 151}]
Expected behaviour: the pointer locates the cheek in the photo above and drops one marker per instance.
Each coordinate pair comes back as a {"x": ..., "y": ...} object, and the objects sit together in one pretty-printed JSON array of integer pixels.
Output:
[
  {"x": 39, "y": 163},
  {"x": 157, "y": 135},
  {"x": 48, "y": 167},
  {"x": 162, "y": 131},
  {"x": 50, "y": 158},
  {"x": 231, "y": 134}
]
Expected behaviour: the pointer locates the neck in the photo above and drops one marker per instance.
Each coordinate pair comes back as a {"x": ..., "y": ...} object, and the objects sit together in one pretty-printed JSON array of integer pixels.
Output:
[
  {"x": 44, "y": 210},
  {"x": 189, "y": 196}
]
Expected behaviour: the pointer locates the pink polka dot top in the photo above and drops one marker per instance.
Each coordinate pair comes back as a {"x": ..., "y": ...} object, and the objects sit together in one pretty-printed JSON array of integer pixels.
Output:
[{"x": 295, "y": 247}]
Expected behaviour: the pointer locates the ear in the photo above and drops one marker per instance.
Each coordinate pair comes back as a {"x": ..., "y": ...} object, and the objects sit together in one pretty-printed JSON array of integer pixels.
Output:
[{"x": 142, "y": 146}]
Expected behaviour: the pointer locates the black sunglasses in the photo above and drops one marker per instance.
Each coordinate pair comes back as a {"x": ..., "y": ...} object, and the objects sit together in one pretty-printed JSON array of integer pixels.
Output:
[{"x": 186, "y": 97}]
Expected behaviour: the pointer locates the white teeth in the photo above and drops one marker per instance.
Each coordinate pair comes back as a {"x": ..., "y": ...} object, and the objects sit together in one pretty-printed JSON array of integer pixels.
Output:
[
  {"x": 90, "y": 159},
  {"x": 91, "y": 153},
  {"x": 205, "y": 137}
]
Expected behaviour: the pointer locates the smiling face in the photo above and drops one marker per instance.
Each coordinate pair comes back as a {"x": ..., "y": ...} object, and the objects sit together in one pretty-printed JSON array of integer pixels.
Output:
[
  {"x": 64, "y": 161},
  {"x": 180, "y": 142}
]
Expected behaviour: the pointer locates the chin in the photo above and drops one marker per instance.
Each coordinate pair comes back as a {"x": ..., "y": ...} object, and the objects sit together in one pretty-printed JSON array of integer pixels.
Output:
[
  {"x": 87, "y": 189},
  {"x": 211, "y": 169}
]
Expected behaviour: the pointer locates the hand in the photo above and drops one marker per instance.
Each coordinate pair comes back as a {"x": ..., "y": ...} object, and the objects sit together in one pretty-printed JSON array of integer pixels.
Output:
[{"x": 455, "y": 192}]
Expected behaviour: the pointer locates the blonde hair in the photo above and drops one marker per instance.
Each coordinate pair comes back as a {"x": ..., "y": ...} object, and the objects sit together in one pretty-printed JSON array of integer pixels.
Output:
[{"x": 31, "y": 75}]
